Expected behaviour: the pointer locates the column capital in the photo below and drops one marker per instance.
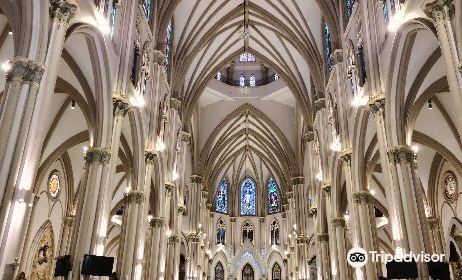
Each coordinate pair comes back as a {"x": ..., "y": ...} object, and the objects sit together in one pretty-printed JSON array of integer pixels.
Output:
[
  {"x": 150, "y": 157},
  {"x": 62, "y": 11},
  {"x": 157, "y": 222},
  {"x": 25, "y": 71},
  {"x": 323, "y": 237},
  {"x": 300, "y": 180},
  {"x": 262, "y": 219},
  {"x": 204, "y": 194},
  {"x": 158, "y": 56},
  {"x": 196, "y": 179},
  {"x": 314, "y": 210},
  {"x": 68, "y": 220},
  {"x": 286, "y": 206},
  {"x": 175, "y": 103},
  {"x": 182, "y": 210},
  {"x": 345, "y": 156},
  {"x": 337, "y": 56},
  {"x": 326, "y": 188},
  {"x": 120, "y": 105},
  {"x": 363, "y": 197},
  {"x": 193, "y": 237},
  {"x": 232, "y": 219},
  {"x": 440, "y": 10},
  {"x": 319, "y": 103},
  {"x": 377, "y": 105},
  {"x": 173, "y": 239},
  {"x": 433, "y": 223},
  {"x": 338, "y": 222},
  {"x": 95, "y": 155},
  {"x": 169, "y": 186},
  {"x": 134, "y": 197},
  {"x": 209, "y": 206},
  {"x": 401, "y": 154},
  {"x": 308, "y": 136}
]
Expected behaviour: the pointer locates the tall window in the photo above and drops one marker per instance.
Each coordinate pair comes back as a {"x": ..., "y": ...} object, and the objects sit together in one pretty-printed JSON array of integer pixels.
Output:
[
  {"x": 349, "y": 4},
  {"x": 168, "y": 47},
  {"x": 274, "y": 228},
  {"x": 276, "y": 272},
  {"x": 362, "y": 65},
  {"x": 221, "y": 202},
  {"x": 274, "y": 201},
  {"x": 247, "y": 232},
  {"x": 241, "y": 80},
  {"x": 328, "y": 45},
  {"x": 219, "y": 272},
  {"x": 248, "y": 198},
  {"x": 247, "y": 57},
  {"x": 113, "y": 16},
  {"x": 252, "y": 80},
  {"x": 221, "y": 232},
  {"x": 147, "y": 8}
]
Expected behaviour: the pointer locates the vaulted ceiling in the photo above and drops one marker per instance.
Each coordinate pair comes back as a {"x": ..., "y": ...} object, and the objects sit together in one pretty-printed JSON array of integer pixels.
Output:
[{"x": 285, "y": 35}]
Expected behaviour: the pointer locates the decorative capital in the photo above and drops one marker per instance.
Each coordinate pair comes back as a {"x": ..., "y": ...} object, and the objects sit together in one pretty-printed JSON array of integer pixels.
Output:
[
  {"x": 232, "y": 219},
  {"x": 157, "y": 222},
  {"x": 193, "y": 237},
  {"x": 204, "y": 194},
  {"x": 319, "y": 104},
  {"x": 175, "y": 103},
  {"x": 338, "y": 222},
  {"x": 134, "y": 197},
  {"x": 345, "y": 156},
  {"x": 150, "y": 157},
  {"x": 362, "y": 197},
  {"x": 100, "y": 156},
  {"x": 440, "y": 10},
  {"x": 286, "y": 206},
  {"x": 173, "y": 239},
  {"x": 209, "y": 206},
  {"x": 402, "y": 154},
  {"x": 309, "y": 136},
  {"x": 314, "y": 210},
  {"x": 25, "y": 71},
  {"x": 182, "y": 210},
  {"x": 377, "y": 105},
  {"x": 196, "y": 179},
  {"x": 326, "y": 188},
  {"x": 337, "y": 56},
  {"x": 159, "y": 57},
  {"x": 433, "y": 223},
  {"x": 120, "y": 105},
  {"x": 298, "y": 180},
  {"x": 62, "y": 11},
  {"x": 262, "y": 219},
  {"x": 36, "y": 200},
  {"x": 323, "y": 237},
  {"x": 169, "y": 188},
  {"x": 68, "y": 220}
]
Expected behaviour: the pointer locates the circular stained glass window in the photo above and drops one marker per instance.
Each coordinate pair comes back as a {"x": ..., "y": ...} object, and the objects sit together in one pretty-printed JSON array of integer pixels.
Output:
[
  {"x": 54, "y": 185},
  {"x": 450, "y": 186}
]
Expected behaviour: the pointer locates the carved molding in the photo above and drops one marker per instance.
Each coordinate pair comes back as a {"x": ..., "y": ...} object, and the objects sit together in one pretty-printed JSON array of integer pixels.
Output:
[
  {"x": 326, "y": 189},
  {"x": 134, "y": 197},
  {"x": 196, "y": 179},
  {"x": 173, "y": 239},
  {"x": 25, "y": 71},
  {"x": 345, "y": 156},
  {"x": 433, "y": 223},
  {"x": 298, "y": 180},
  {"x": 185, "y": 137},
  {"x": 402, "y": 154},
  {"x": 157, "y": 222},
  {"x": 338, "y": 222},
  {"x": 377, "y": 105},
  {"x": 309, "y": 136},
  {"x": 100, "y": 156},
  {"x": 323, "y": 237}
]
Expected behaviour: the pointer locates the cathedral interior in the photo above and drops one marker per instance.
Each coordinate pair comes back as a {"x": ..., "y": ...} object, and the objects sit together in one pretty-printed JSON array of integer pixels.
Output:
[{"x": 228, "y": 139}]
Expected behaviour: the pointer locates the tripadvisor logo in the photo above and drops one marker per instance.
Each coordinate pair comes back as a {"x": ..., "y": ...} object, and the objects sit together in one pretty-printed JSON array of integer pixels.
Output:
[{"x": 357, "y": 257}]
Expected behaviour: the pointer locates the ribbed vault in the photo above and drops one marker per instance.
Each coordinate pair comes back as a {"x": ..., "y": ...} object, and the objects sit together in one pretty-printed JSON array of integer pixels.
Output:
[{"x": 246, "y": 141}]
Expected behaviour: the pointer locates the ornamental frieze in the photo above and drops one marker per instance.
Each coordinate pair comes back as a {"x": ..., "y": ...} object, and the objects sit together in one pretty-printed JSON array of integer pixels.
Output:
[
  {"x": 100, "y": 156},
  {"x": 25, "y": 71},
  {"x": 134, "y": 197},
  {"x": 62, "y": 11}
]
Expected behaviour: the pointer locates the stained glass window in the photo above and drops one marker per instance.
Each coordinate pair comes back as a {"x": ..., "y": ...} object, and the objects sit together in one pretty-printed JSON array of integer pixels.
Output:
[
  {"x": 147, "y": 8},
  {"x": 248, "y": 198},
  {"x": 247, "y": 272},
  {"x": 274, "y": 201},
  {"x": 54, "y": 185},
  {"x": 242, "y": 80},
  {"x": 247, "y": 57},
  {"x": 276, "y": 273},
  {"x": 252, "y": 80},
  {"x": 221, "y": 232},
  {"x": 221, "y": 202},
  {"x": 219, "y": 272},
  {"x": 385, "y": 11},
  {"x": 349, "y": 4},
  {"x": 393, "y": 6},
  {"x": 328, "y": 43},
  {"x": 113, "y": 16},
  {"x": 168, "y": 47}
]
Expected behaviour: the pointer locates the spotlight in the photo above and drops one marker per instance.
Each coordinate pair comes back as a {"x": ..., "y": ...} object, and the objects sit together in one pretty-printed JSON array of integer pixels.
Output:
[
  {"x": 430, "y": 104},
  {"x": 10, "y": 33}
]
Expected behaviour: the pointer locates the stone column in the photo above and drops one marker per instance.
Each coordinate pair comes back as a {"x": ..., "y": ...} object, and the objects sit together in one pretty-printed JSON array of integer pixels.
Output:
[
  {"x": 29, "y": 86},
  {"x": 301, "y": 214},
  {"x": 442, "y": 11},
  {"x": 194, "y": 212},
  {"x": 97, "y": 161},
  {"x": 339, "y": 227},
  {"x": 323, "y": 260},
  {"x": 157, "y": 224},
  {"x": 171, "y": 270},
  {"x": 435, "y": 233},
  {"x": 68, "y": 223},
  {"x": 128, "y": 259},
  {"x": 363, "y": 201}
]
